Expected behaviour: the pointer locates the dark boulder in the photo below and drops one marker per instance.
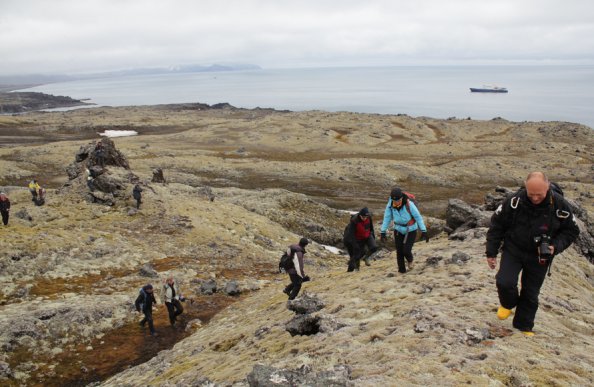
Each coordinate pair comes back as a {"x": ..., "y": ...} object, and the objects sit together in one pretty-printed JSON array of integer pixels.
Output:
[
  {"x": 158, "y": 176},
  {"x": 231, "y": 288},
  {"x": 306, "y": 304}
]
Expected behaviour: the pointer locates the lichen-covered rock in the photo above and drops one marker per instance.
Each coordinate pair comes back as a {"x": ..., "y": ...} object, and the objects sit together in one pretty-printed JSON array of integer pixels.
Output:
[{"x": 308, "y": 303}]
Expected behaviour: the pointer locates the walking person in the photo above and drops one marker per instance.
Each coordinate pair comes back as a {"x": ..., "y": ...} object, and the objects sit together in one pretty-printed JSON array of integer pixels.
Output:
[
  {"x": 406, "y": 219},
  {"x": 295, "y": 271},
  {"x": 144, "y": 303},
  {"x": 359, "y": 237},
  {"x": 137, "y": 194},
  {"x": 171, "y": 297},
  {"x": 34, "y": 189},
  {"x": 534, "y": 225},
  {"x": 4, "y": 207}
]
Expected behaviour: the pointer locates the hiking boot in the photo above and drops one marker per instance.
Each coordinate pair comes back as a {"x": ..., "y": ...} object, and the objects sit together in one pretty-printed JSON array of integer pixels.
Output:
[
  {"x": 409, "y": 265},
  {"x": 503, "y": 313},
  {"x": 367, "y": 263},
  {"x": 286, "y": 291},
  {"x": 528, "y": 333}
]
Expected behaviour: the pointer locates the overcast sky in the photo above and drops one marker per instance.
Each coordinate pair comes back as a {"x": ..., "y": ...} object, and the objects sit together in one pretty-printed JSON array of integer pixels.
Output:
[{"x": 76, "y": 36}]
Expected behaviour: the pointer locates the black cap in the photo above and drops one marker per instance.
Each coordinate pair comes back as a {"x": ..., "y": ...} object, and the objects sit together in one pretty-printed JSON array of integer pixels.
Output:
[
  {"x": 148, "y": 287},
  {"x": 364, "y": 211},
  {"x": 303, "y": 242},
  {"x": 396, "y": 193}
]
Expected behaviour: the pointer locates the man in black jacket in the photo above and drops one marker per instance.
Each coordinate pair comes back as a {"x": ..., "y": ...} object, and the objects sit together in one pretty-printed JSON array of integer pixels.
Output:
[
  {"x": 4, "y": 207},
  {"x": 534, "y": 225},
  {"x": 358, "y": 236},
  {"x": 144, "y": 302}
]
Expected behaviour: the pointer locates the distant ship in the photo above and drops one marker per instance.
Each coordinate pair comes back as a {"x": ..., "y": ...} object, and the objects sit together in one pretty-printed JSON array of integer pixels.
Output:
[{"x": 488, "y": 89}]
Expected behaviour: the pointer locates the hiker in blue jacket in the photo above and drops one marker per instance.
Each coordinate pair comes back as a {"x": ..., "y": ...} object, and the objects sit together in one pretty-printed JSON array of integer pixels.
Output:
[
  {"x": 144, "y": 303},
  {"x": 406, "y": 219}
]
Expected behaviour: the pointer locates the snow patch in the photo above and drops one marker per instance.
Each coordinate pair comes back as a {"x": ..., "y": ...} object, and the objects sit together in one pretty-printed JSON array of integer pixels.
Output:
[
  {"x": 333, "y": 249},
  {"x": 119, "y": 133}
]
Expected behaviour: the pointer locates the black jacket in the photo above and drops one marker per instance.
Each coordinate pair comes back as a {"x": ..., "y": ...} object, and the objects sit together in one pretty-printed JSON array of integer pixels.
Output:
[
  {"x": 4, "y": 205},
  {"x": 349, "y": 232},
  {"x": 136, "y": 192},
  {"x": 517, "y": 227},
  {"x": 144, "y": 302}
]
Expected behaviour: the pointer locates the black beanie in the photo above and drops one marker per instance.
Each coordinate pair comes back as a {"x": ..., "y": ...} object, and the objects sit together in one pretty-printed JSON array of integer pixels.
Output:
[
  {"x": 303, "y": 242},
  {"x": 148, "y": 287},
  {"x": 396, "y": 193},
  {"x": 364, "y": 211}
]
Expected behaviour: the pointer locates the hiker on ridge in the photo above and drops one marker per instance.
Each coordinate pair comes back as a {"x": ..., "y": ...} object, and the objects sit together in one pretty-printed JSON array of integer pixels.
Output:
[
  {"x": 359, "y": 236},
  {"x": 4, "y": 208},
  {"x": 534, "y": 225},
  {"x": 99, "y": 154},
  {"x": 144, "y": 303},
  {"x": 136, "y": 193},
  {"x": 407, "y": 220},
  {"x": 171, "y": 297},
  {"x": 296, "y": 272},
  {"x": 34, "y": 189}
]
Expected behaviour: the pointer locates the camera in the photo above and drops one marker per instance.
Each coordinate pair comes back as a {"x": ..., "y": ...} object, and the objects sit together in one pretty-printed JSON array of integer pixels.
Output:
[{"x": 543, "y": 242}]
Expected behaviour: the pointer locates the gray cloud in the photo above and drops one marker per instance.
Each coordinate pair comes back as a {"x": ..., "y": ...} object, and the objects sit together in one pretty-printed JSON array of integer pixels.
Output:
[{"x": 83, "y": 36}]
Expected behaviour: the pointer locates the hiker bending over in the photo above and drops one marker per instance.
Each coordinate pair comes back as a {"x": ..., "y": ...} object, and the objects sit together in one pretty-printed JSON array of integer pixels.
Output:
[
  {"x": 359, "y": 236},
  {"x": 144, "y": 303},
  {"x": 407, "y": 220},
  {"x": 171, "y": 298},
  {"x": 136, "y": 193},
  {"x": 34, "y": 189},
  {"x": 4, "y": 207},
  {"x": 296, "y": 272},
  {"x": 534, "y": 225}
]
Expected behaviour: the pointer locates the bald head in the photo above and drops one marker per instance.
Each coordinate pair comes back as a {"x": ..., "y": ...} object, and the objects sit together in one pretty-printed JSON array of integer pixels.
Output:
[{"x": 537, "y": 187}]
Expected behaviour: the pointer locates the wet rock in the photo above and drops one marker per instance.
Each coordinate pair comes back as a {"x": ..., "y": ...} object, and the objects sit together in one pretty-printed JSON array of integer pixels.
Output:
[
  {"x": 306, "y": 304},
  {"x": 208, "y": 287},
  {"x": 264, "y": 376},
  {"x": 147, "y": 270},
  {"x": 23, "y": 214},
  {"x": 231, "y": 288},
  {"x": 459, "y": 258},
  {"x": 158, "y": 176}
]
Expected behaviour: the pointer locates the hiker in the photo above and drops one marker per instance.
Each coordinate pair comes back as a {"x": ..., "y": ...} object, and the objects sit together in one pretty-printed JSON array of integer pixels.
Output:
[
  {"x": 296, "y": 272},
  {"x": 359, "y": 236},
  {"x": 40, "y": 200},
  {"x": 171, "y": 297},
  {"x": 34, "y": 189},
  {"x": 4, "y": 207},
  {"x": 136, "y": 193},
  {"x": 144, "y": 303},
  {"x": 534, "y": 225},
  {"x": 407, "y": 220}
]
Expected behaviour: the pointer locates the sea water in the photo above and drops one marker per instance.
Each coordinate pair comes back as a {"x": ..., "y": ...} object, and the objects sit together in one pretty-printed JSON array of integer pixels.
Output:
[{"x": 536, "y": 93}]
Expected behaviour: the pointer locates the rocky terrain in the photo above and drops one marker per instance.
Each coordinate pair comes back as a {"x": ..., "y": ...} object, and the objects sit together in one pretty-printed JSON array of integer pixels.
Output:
[
  {"x": 237, "y": 187},
  {"x": 19, "y": 102}
]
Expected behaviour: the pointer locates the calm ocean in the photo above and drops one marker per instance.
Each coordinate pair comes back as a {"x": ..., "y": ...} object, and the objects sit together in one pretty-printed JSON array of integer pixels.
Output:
[{"x": 536, "y": 93}]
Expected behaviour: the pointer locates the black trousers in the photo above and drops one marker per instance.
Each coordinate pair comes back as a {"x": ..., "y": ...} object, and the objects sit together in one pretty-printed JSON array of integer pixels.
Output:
[
  {"x": 404, "y": 245},
  {"x": 148, "y": 317},
  {"x": 138, "y": 203},
  {"x": 5, "y": 215},
  {"x": 358, "y": 252},
  {"x": 174, "y": 308},
  {"x": 294, "y": 287},
  {"x": 526, "y": 300}
]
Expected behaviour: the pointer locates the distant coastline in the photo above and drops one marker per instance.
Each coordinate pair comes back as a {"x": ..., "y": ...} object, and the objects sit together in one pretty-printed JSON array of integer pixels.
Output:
[{"x": 23, "y": 102}]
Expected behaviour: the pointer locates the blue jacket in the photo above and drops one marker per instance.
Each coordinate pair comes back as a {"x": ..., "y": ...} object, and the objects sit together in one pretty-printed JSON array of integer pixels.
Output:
[{"x": 401, "y": 217}]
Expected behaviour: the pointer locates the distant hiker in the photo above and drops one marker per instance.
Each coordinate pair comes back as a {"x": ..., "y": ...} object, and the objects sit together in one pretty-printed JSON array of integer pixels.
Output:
[
  {"x": 4, "y": 207},
  {"x": 359, "y": 236},
  {"x": 171, "y": 297},
  {"x": 407, "y": 220},
  {"x": 534, "y": 225},
  {"x": 99, "y": 154},
  {"x": 136, "y": 193},
  {"x": 34, "y": 189},
  {"x": 295, "y": 271},
  {"x": 144, "y": 303}
]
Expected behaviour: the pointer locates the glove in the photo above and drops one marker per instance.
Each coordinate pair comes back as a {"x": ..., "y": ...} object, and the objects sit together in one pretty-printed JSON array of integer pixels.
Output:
[
  {"x": 425, "y": 236},
  {"x": 306, "y": 278},
  {"x": 383, "y": 237}
]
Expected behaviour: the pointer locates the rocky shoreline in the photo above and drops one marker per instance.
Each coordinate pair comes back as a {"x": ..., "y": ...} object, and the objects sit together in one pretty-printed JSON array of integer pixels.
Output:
[
  {"x": 22, "y": 102},
  {"x": 238, "y": 186}
]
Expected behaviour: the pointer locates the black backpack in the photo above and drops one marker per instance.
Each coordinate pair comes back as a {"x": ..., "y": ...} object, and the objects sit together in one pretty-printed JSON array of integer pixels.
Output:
[{"x": 286, "y": 261}]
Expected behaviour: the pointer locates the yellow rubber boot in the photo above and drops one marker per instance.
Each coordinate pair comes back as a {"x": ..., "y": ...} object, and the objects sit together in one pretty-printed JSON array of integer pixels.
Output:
[
  {"x": 528, "y": 333},
  {"x": 503, "y": 313}
]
